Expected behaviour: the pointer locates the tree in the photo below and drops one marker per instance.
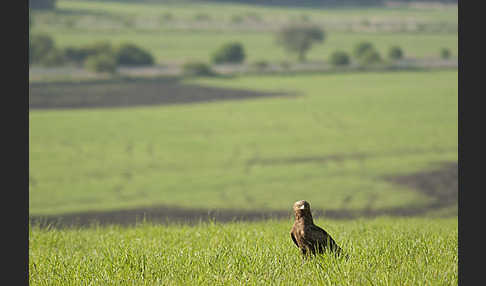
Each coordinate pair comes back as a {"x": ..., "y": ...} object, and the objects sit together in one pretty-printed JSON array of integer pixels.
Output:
[
  {"x": 75, "y": 54},
  {"x": 132, "y": 55},
  {"x": 445, "y": 53},
  {"x": 370, "y": 57},
  {"x": 361, "y": 49},
  {"x": 229, "y": 53},
  {"x": 54, "y": 57},
  {"x": 395, "y": 53},
  {"x": 80, "y": 54},
  {"x": 299, "y": 38},
  {"x": 103, "y": 62},
  {"x": 366, "y": 54},
  {"x": 40, "y": 46},
  {"x": 339, "y": 58}
]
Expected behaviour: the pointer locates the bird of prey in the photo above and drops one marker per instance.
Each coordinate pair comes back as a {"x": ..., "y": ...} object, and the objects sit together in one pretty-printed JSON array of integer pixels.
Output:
[{"x": 310, "y": 238}]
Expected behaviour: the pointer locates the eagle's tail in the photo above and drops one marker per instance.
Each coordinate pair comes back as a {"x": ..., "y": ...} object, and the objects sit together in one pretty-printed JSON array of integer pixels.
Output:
[{"x": 338, "y": 251}]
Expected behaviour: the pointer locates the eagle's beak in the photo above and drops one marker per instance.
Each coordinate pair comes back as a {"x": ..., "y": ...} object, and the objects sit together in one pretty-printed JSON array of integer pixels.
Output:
[{"x": 302, "y": 207}]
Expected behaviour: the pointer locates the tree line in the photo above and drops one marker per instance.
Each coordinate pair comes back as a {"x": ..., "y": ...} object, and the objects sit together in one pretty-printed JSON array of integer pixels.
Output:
[{"x": 296, "y": 39}]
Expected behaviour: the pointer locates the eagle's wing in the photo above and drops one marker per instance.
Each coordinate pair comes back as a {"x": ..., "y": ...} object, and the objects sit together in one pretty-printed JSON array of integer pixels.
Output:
[
  {"x": 318, "y": 235},
  {"x": 293, "y": 238}
]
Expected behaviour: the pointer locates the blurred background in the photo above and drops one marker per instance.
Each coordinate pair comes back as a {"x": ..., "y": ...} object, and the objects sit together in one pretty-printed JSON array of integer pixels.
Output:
[{"x": 235, "y": 109}]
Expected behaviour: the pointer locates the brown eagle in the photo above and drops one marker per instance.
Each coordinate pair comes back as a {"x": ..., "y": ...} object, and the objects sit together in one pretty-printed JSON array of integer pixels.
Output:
[{"x": 310, "y": 238}]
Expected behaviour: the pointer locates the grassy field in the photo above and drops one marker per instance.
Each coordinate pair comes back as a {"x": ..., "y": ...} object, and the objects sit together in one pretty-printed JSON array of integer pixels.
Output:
[
  {"x": 382, "y": 252},
  {"x": 367, "y": 143},
  {"x": 184, "y": 36},
  {"x": 332, "y": 144}
]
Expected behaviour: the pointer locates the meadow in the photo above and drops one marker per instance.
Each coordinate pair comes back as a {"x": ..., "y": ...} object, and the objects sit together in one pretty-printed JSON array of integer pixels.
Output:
[
  {"x": 334, "y": 142},
  {"x": 171, "y": 30},
  {"x": 363, "y": 143},
  {"x": 384, "y": 251}
]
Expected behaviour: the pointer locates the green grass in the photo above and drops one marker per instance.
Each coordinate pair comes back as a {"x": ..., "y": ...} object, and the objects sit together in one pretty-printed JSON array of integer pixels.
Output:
[
  {"x": 213, "y": 155},
  {"x": 382, "y": 252},
  {"x": 81, "y": 22},
  {"x": 254, "y": 154}
]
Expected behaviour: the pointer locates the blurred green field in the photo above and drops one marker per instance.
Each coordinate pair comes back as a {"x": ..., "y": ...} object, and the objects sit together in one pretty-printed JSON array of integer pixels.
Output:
[
  {"x": 254, "y": 154},
  {"x": 175, "y": 33},
  {"x": 382, "y": 252},
  {"x": 188, "y": 11}
]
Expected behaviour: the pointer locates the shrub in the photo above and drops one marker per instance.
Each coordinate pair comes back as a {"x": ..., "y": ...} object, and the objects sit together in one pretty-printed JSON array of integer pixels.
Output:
[
  {"x": 253, "y": 16},
  {"x": 299, "y": 38},
  {"x": 260, "y": 65},
  {"x": 54, "y": 57},
  {"x": 128, "y": 22},
  {"x": 75, "y": 55},
  {"x": 197, "y": 69},
  {"x": 366, "y": 54},
  {"x": 285, "y": 65},
  {"x": 445, "y": 53},
  {"x": 361, "y": 48},
  {"x": 132, "y": 55},
  {"x": 40, "y": 46},
  {"x": 236, "y": 19},
  {"x": 103, "y": 62},
  {"x": 365, "y": 22},
  {"x": 202, "y": 17},
  {"x": 395, "y": 53},
  {"x": 166, "y": 17},
  {"x": 339, "y": 58},
  {"x": 229, "y": 53},
  {"x": 80, "y": 54},
  {"x": 304, "y": 18},
  {"x": 421, "y": 27},
  {"x": 370, "y": 57}
]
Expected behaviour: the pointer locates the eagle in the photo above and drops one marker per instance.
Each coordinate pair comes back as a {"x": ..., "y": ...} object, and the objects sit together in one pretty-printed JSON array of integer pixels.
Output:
[{"x": 310, "y": 238}]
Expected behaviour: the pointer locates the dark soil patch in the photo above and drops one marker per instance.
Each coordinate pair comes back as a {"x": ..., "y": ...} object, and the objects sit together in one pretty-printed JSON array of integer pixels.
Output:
[
  {"x": 130, "y": 92},
  {"x": 440, "y": 184},
  {"x": 305, "y": 160},
  {"x": 345, "y": 157}
]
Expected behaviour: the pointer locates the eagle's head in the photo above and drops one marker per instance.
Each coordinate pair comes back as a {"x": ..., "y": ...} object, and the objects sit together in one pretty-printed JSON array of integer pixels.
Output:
[
  {"x": 301, "y": 206},
  {"x": 302, "y": 211}
]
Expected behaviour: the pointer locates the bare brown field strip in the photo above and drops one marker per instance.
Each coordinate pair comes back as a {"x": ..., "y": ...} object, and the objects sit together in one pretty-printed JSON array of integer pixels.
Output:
[
  {"x": 134, "y": 92},
  {"x": 339, "y": 157},
  {"x": 323, "y": 159},
  {"x": 440, "y": 184}
]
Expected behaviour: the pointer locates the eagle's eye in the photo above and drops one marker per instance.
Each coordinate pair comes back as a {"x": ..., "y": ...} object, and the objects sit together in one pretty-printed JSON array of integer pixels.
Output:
[{"x": 301, "y": 205}]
